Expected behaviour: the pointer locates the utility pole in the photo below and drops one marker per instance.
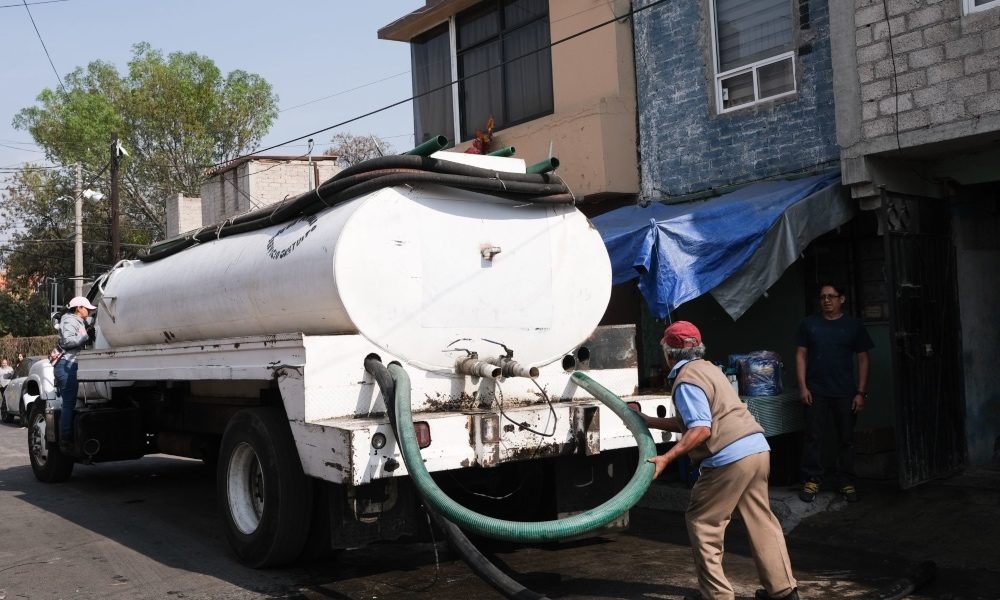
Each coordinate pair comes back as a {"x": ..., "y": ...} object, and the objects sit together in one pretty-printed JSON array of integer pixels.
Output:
[
  {"x": 78, "y": 233},
  {"x": 115, "y": 177}
]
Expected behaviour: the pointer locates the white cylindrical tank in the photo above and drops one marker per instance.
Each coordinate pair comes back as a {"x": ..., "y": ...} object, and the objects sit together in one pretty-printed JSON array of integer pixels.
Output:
[{"x": 419, "y": 271}]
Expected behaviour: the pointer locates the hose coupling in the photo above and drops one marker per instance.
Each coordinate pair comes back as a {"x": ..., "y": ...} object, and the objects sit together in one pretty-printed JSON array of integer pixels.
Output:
[
  {"x": 477, "y": 368},
  {"x": 512, "y": 368}
]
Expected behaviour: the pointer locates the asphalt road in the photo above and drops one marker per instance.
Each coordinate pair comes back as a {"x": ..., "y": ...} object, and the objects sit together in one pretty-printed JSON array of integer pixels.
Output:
[{"x": 148, "y": 529}]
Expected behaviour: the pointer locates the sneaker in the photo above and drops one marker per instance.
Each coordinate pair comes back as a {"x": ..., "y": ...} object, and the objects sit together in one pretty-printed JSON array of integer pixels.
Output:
[
  {"x": 762, "y": 595},
  {"x": 849, "y": 493},
  {"x": 809, "y": 491}
]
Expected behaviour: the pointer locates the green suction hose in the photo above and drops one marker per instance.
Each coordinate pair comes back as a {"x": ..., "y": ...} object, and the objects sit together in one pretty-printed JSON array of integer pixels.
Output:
[{"x": 532, "y": 532}]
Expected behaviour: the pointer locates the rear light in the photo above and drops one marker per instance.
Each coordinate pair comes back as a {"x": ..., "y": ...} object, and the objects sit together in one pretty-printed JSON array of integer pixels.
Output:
[{"x": 423, "y": 431}]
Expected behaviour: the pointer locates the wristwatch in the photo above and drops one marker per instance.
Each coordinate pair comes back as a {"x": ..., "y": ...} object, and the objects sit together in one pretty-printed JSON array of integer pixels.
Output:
[{"x": 862, "y": 394}]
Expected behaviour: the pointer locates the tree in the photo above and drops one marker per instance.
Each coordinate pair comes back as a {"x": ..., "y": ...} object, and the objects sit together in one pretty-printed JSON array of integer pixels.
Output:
[
  {"x": 38, "y": 224},
  {"x": 352, "y": 149},
  {"x": 23, "y": 314},
  {"x": 175, "y": 115}
]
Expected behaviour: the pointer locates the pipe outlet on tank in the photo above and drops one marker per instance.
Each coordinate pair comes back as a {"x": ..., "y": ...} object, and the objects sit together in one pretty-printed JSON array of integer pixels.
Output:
[
  {"x": 477, "y": 368},
  {"x": 512, "y": 368}
]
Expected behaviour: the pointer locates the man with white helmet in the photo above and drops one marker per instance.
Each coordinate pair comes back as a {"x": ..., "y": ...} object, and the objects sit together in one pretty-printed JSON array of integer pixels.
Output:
[{"x": 73, "y": 336}]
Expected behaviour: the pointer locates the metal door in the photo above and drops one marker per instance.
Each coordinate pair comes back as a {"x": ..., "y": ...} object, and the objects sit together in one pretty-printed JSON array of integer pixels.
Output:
[{"x": 924, "y": 327}]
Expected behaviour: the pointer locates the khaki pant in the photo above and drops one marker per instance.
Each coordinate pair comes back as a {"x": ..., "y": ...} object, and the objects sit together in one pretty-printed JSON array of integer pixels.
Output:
[{"x": 719, "y": 492}]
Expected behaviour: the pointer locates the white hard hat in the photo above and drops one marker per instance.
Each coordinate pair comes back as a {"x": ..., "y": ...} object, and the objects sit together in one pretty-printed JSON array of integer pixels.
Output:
[{"x": 81, "y": 301}]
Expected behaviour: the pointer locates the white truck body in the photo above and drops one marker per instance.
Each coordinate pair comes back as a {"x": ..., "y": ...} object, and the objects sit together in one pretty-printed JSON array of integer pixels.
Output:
[
  {"x": 225, "y": 349},
  {"x": 334, "y": 407}
]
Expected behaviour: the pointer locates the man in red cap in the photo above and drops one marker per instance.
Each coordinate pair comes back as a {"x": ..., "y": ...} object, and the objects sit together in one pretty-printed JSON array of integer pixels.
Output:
[{"x": 728, "y": 445}]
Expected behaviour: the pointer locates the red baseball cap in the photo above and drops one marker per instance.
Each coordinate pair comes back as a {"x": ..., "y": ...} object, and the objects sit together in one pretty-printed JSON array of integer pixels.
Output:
[{"x": 681, "y": 334}]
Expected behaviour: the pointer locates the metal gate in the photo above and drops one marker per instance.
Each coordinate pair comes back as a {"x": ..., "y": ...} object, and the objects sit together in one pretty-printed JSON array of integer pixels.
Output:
[{"x": 924, "y": 328}]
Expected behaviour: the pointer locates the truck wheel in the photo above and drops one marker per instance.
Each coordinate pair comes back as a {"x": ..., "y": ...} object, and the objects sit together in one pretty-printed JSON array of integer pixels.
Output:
[
  {"x": 264, "y": 496},
  {"x": 47, "y": 463},
  {"x": 5, "y": 415}
]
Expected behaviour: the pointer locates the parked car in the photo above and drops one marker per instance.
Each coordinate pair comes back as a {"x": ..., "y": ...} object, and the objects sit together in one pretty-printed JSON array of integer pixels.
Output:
[{"x": 33, "y": 379}]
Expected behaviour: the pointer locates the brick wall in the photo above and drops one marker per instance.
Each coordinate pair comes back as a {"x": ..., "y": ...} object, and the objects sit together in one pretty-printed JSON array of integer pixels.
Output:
[
  {"x": 927, "y": 66},
  {"x": 684, "y": 146}
]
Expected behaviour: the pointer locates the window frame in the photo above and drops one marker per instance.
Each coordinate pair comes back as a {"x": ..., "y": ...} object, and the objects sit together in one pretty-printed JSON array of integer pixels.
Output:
[
  {"x": 970, "y": 6},
  {"x": 752, "y": 68},
  {"x": 458, "y": 108}
]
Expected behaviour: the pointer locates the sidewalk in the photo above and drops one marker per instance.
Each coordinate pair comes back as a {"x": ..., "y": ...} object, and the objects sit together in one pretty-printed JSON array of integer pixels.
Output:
[{"x": 842, "y": 550}]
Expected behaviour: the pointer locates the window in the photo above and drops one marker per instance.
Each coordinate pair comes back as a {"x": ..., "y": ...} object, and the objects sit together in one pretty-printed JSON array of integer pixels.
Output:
[
  {"x": 755, "y": 60},
  {"x": 972, "y": 6},
  {"x": 431, "y": 69},
  {"x": 501, "y": 59}
]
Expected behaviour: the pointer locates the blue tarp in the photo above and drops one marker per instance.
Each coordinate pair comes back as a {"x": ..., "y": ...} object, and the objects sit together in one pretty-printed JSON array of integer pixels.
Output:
[{"x": 682, "y": 251}]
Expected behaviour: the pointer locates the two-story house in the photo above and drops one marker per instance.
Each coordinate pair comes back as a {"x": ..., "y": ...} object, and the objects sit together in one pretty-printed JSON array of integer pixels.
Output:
[{"x": 557, "y": 78}]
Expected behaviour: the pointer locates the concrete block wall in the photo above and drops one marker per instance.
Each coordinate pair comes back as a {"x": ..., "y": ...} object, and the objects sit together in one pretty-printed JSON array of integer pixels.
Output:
[
  {"x": 684, "y": 146},
  {"x": 183, "y": 214},
  {"x": 925, "y": 68},
  {"x": 261, "y": 182}
]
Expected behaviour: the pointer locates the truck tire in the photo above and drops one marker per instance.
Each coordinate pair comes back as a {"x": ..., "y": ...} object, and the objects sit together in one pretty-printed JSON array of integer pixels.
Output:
[
  {"x": 264, "y": 496},
  {"x": 47, "y": 463}
]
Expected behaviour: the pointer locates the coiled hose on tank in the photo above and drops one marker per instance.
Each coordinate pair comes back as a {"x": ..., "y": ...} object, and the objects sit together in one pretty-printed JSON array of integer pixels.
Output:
[
  {"x": 541, "y": 531},
  {"x": 372, "y": 175},
  {"x": 479, "y": 564}
]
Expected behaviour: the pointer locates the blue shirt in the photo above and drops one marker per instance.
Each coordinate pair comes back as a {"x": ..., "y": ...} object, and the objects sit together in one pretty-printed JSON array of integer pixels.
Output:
[{"x": 692, "y": 406}]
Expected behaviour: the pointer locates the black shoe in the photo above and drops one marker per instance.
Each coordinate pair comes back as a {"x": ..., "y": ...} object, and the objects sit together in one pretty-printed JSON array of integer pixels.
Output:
[{"x": 762, "y": 595}]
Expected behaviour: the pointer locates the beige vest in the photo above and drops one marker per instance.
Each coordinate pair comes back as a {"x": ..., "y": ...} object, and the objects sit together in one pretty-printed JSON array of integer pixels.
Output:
[{"x": 730, "y": 418}]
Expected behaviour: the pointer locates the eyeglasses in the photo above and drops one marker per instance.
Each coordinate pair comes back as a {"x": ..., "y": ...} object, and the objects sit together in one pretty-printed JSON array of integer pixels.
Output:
[{"x": 829, "y": 296}]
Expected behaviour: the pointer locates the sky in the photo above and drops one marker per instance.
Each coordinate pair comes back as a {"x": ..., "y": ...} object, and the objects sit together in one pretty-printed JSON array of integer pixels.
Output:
[{"x": 323, "y": 59}]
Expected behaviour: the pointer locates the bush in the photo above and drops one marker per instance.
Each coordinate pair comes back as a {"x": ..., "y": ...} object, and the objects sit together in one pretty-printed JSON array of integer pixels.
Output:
[{"x": 29, "y": 346}]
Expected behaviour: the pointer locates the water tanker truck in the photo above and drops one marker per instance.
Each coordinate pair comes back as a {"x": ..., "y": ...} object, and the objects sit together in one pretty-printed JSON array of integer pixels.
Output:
[{"x": 415, "y": 329}]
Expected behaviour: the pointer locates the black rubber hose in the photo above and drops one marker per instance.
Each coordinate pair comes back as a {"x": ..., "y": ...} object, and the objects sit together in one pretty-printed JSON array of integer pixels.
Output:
[
  {"x": 528, "y": 191},
  {"x": 422, "y": 163},
  {"x": 479, "y": 564},
  {"x": 370, "y": 176}
]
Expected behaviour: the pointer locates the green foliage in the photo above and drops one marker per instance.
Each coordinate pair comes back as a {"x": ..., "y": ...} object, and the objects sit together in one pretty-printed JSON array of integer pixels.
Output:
[
  {"x": 37, "y": 224},
  {"x": 23, "y": 314},
  {"x": 175, "y": 115}
]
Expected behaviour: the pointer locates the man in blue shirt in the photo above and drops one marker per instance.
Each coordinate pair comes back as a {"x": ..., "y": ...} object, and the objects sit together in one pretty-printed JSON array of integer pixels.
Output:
[{"x": 728, "y": 445}]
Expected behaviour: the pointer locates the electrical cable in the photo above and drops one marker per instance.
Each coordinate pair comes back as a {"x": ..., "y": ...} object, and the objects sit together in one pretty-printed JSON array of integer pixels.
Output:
[
  {"x": 47, "y": 55},
  {"x": 631, "y": 12},
  {"x": 524, "y": 426}
]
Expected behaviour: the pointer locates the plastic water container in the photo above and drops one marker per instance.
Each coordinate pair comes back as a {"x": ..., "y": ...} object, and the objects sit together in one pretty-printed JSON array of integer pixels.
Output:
[{"x": 760, "y": 373}]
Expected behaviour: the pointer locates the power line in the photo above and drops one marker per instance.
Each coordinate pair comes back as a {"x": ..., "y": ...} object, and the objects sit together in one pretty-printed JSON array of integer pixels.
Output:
[
  {"x": 631, "y": 12},
  {"x": 342, "y": 92},
  {"x": 31, "y": 3},
  {"x": 39, "y": 34},
  {"x": 370, "y": 83}
]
